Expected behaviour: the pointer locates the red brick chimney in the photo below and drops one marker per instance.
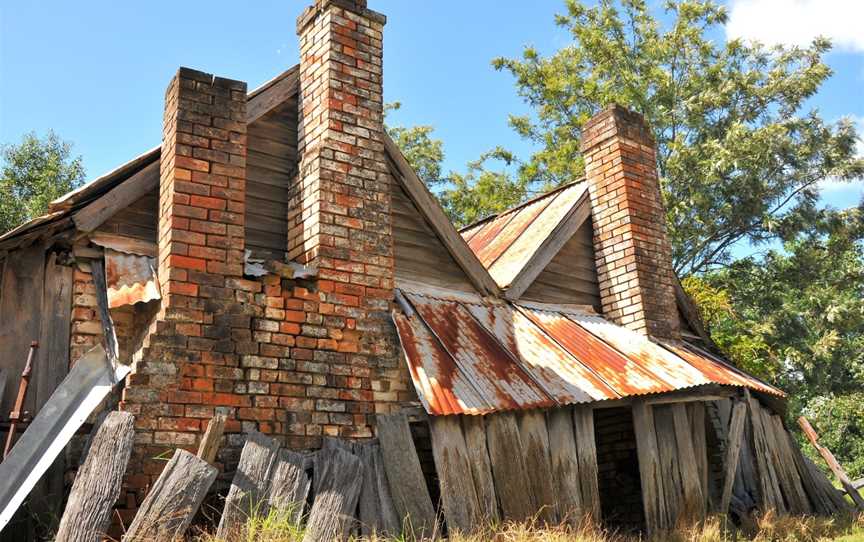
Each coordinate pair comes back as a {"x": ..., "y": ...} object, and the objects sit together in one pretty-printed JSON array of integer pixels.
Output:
[{"x": 633, "y": 254}]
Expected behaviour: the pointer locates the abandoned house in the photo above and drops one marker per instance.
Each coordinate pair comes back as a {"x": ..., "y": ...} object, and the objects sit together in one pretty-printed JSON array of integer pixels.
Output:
[{"x": 277, "y": 260}]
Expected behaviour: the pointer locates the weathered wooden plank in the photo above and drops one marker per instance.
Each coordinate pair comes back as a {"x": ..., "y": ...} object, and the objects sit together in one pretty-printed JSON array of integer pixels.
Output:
[
  {"x": 270, "y": 97},
  {"x": 512, "y": 480},
  {"x": 474, "y": 429},
  {"x": 98, "y": 481},
  {"x": 173, "y": 500},
  {"x": 586, "y": 448},
  {"x": 404, "y": 475},
  {"x": 692, "y": 496},
  {"x": 108, "y": 332},
  {"x": 733, "y": 453},
  {"x": 815, "y": 483},
  {"x": 461, "y": 509},
  {"x": 377, "y": 514},
  {"x": 565, "y": 465},
  {"x": 696, "y": 413},
  {"x": 332, "y": 514},
  {"x": 251, "y": 484},
  {"x": 650, "y": 472},
  {"x": 289, "y": 487},
  {"x": 209, "y": 445},
  {"x": 790, "y": 480},
  {"x": 535, "y": 445},
  {"x": 669, "y": 463},
  {"x": 832, "y": 462},
  {"x": 769, "y": 487},
  {"x": 124, "y": 194},
  {"x": 835, "y": 495}
]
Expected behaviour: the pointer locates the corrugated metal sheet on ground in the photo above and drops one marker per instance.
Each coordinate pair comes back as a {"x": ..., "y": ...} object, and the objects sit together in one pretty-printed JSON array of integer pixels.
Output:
[
  {"x": 130, "y": 278},
  {"x": 505, "y": 243},
  {"x": 475, "y": 357}
]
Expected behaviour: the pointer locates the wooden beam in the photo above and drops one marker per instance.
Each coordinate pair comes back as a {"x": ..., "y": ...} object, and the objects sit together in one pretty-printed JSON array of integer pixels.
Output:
[
  {"x": 174, "y": 499},
  {"x": 733, "y": 453},
  {"x": 212, "y": 438},
  {"x": 693, "y": 499},
  {"x": 653, "y": 493},
  {"x": 121, "y": 196},
  {"x": 832, "y": 462},
  {"x": 551, "y": 245},
  {"x": 696, "y": 413},
  {"x": 441, "y": 225},
  {"x": 461, "y": 509},
  {"x": 108, "y": 333},
  {"x": 98, "y": 481},
  {"x": 272, "y": 95}
]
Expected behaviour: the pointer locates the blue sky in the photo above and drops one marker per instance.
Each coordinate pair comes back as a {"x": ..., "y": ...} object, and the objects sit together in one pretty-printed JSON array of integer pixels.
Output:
[{"x": 95, "y": 71}]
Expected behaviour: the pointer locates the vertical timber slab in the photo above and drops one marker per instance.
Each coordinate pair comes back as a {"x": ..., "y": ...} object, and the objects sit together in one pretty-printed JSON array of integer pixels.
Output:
[
  {"x": 173, "y": 500},
  {"x": 339, "y": 476},
  {"x": 512, "y": 482},
  {"x": 404, "y": 475},
  {"x": 209, "y": 445},
  {"x": 474, "y": 429},
  {"x": 461, "y": 509},
  {"x": 822, "y": 502},
  {"x": 98, "y": 481},
  {"x": 653, "y": 493},
  {"x": 565, "y": 465},
  {"x": 693, "y": 499},
  {"x": 790, "y": 480},
  {"x": 250, "y": 485},
  {"x": 289, "y": 487},
  {"x": 377, "y": 514},
  {"x": 696, "y": 413},
  {"x": 733, "y": 453},
  {"x": 535, "y": 444},
  {"x": 769, "y": 488},
  {"x": 586, "y": 452},
  {"x": 670, "y": 471}
]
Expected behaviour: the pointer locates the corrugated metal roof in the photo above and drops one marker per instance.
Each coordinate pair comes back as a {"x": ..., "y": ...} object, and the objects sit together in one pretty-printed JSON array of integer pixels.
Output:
[
  {"x": 130, "y": 278},
  {"x": 471, "y": 356},
  {"x": 505, "y": 243}
]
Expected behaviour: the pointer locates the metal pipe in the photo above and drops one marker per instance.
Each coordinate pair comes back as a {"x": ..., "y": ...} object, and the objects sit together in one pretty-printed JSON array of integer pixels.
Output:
[{"x": 15, "y": 415}]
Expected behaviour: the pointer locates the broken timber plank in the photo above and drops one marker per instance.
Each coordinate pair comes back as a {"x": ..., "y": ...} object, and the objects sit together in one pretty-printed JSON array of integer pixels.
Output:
[
  {"x": 250, "y": 486},
  {"x": 696, "y": 413},
  {"x": 289, "y": 487},
  {"x": 565, "y": 465},
  {"x": 377, "y": 513},
  {"x": 83, "y": 389},
  {"x": 535, "y": 445},
  {"x": 832, "y": 462},
  {"x": 790, "y": 480},
  {"x": 653, "y": 494},
  {"x": 733, "y": 453},
  {"x": 586, "y": 450},
  {"x": 173, "y": 500},
  {"x": 404, "y": 475},
  {"x": 98, "y": 481},
  {"x": 212, "y": 438},
  {"x": 692, "y": 496},
  {"x": 769, "y": 488},
  {"x": 341, "y": 475},
  {"x": 474, "y": 429},
  {"x": 461, "y": 509},
  {"x": 512, "y": 484}
]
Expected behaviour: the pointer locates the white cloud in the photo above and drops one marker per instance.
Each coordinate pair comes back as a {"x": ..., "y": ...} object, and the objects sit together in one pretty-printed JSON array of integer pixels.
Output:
[{"x": 797, "y": 22}]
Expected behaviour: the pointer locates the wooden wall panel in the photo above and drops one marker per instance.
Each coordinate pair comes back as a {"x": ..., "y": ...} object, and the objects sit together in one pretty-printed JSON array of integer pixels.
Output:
[
  {"x": 271, "y": 165},
  {"x": 571, "y": 276},
  {"x": 139, "y": 220},
  {"x": 419, "y": 254}
]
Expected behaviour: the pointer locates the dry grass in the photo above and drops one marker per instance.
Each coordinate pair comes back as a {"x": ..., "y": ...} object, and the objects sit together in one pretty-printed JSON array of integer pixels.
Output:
[{"x": 768, "y": 528}]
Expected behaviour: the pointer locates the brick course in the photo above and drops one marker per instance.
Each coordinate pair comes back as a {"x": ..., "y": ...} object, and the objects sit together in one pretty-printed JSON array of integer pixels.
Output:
[{"x": 632, "y": 250}]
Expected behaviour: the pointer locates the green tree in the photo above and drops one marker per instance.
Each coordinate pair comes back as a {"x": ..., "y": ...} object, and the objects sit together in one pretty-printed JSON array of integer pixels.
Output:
[
  {"x": 35, "y": 172},
  {"x": 739, "y": 157}
]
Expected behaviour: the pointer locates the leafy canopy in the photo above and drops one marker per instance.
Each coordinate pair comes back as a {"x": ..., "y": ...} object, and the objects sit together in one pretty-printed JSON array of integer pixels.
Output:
[
  {"x": 739, "y": 157},
  {"x": 35, "y": 172}
]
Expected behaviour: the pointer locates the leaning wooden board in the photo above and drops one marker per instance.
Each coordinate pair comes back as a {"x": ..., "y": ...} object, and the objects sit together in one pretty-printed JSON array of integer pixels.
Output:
[{"x": 512, "y": 482}]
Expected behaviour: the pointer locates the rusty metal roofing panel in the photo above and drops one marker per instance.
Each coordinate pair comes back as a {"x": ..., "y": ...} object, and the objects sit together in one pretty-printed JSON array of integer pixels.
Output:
[
  {"x": 496, "y": 238},
  {"x": 130, "y": 278},
  {"x": 442, "y": 388},
  {"x": 627, "y": 376},
  {"x": 489, "y": 367},
  {"x": 520, "y": 252},
  {"x": 718, "y": 370},
  {"x": 560, "y": 374}
]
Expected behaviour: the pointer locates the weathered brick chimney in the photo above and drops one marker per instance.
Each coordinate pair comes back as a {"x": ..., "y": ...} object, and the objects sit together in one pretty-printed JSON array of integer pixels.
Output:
[{"x": 633, "y": 254}]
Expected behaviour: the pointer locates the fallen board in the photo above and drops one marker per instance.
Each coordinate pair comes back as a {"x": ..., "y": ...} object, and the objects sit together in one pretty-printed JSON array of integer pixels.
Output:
[
  {"x": 173, "y": 500},
  {"x": 339, "y": 476},
  {"x": 98, "y": 481},
  {"x": 89, "y": 381},
  {"x": 209, "y": 445}
]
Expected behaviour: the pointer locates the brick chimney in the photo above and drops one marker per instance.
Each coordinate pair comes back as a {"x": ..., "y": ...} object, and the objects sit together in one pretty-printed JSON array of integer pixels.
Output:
[
  {"x": 340, "y": 219},
  {"x": 633, "y": 254}
]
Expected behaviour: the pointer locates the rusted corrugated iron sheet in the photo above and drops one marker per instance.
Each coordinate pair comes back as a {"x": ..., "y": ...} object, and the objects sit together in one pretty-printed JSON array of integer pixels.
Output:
[
  {"x": 504, "y": 244},
  {"x": 130, "y": 278},
  {"x": 474, "y": 357}
]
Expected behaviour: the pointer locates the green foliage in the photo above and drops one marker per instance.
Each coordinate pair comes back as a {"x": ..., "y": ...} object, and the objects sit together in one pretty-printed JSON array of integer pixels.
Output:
[
  {"x": 739, "y": 158},
  {"x": 423, "y": 152},
  {"x": 35, "y": 172}
]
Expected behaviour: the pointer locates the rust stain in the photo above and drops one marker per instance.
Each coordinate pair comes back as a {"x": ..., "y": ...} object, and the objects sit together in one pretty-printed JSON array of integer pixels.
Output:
[
  {"x": 502, "y": 232},
  {"x": 130, "y": 279}
]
